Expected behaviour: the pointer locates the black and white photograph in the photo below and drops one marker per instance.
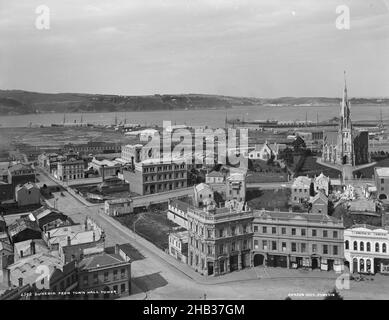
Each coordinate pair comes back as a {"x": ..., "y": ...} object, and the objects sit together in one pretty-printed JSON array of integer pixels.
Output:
[{"x": 208, "y": 152}]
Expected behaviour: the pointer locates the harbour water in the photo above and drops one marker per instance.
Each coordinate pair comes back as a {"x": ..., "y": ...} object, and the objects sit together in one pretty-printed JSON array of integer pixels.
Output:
[{"x": 210, "y": 118}]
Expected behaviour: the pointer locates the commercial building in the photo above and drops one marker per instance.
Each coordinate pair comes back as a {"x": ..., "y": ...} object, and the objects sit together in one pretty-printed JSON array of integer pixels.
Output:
[
  {"x": 48, "y": 218},
  {"x": 105, "y": 168},
  {"x": 105, "y": 275},
  {"x": 366, "y": 249},
  {"x": 177, "y": 212},
  {"x": 19, "y": 174},
  {"x": 178, "y": 245},
  {"x": 295, "y": 240},
  {"x": 220, "y": 239},
  {"x": 156, "y": 175},
  {"x": 93, "y": 147},
  {"x": 236, "y": 186},
  {"x": 202, "y": 194},
  {"x": 71, "y": 169}
]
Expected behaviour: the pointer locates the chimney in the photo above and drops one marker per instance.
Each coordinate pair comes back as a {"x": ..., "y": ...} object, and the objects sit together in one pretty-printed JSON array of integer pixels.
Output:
[
  {"x": 117, "y": 249},
  {"x": 7, "y": 277},
  {"x": 48, "y": 235},
  {"x": 69, "y": 242},
  {"x": 20, "y": 282},
  {"x": 32, "y": 247},
  {"x": 21, "y": 254},
  {"x": 94, "y": 237}
]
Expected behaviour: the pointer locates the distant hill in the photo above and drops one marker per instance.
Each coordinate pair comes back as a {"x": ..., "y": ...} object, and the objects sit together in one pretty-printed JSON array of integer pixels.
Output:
[{"x": 25, "y": 102}]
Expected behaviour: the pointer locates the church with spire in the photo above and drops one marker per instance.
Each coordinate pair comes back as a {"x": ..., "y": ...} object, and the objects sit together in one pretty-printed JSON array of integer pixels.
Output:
[{"x": 346, "y": 146}]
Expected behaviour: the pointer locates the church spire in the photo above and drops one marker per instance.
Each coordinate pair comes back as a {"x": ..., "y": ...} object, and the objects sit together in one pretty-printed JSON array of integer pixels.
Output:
[{"x": 345, "y": 107}]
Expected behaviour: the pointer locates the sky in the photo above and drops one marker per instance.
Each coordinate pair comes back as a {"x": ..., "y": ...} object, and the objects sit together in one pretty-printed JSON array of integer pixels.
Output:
[{"x": 256, "y": 48}]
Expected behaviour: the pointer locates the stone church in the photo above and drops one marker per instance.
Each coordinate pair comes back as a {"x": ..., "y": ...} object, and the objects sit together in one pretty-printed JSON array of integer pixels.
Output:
[{"x": 347, "y": 146}]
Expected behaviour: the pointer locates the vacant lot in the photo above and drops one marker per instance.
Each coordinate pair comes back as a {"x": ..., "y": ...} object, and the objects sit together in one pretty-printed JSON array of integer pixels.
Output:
[{"x": 153, "y": 226}]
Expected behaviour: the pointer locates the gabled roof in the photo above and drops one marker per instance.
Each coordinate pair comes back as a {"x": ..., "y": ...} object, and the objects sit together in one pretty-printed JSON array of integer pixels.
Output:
[
  {"x": 320, "y": 196},
  {"x": 22, "y": 224},
  {"x": 19, "y": 166},
  {"x": 202, "y": 186},
  {"x": 46, "y": 215},
  {"x": 215, "y": 174}
]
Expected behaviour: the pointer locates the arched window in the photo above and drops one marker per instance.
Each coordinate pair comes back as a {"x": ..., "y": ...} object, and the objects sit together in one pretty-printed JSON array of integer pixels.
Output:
[
  {"x": 361, "y": 246},
  {"x": 355, "y": 246},
  {"x": 346, "y": 244},
  {"x": 368, "y": 246},
  {"x": 361, "y": 265},
  {"x": 377, "y": 247},
  {"x": 384, "y": 247}
]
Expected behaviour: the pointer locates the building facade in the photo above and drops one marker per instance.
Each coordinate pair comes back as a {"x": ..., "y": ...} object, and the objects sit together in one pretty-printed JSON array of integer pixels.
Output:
[
  {"x": 366, "y": 249},
  {"x": 295, "y": 240},
  {"x": 117, "y": 207},
  {"x": 156, "y": 175},
  {"x": 220, "y": 239},
  {"x": 27, "y": 194},
  {"x": 300, "y": 189},
  {"x": 381, "y": 178}
]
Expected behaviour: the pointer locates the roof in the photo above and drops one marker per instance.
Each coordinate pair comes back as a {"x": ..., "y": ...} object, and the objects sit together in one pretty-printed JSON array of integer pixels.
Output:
[
  {"x": 215, "y": 174},
  {"x": 45, "y": 215},
  {"x": 26, "y": 268},
  {"x": 6, "y": 246},
  {"x": 119, "y": 200},
  {"x": 28, "y": 186},
  {"x": 22, "y": 224},
  {"x": 202, "y": 186},
  {"x": 100, "y": 261},
  {"x": 307, "y": 217},
  {"x": 25, "y": 246},
  {"x": 19, "y": 166},
  {"x": 302, "y": 181},
  {"x": 180, "y": 205},
  {"x": 320, "y": 195},
  {"x": 77, "y": 234},
  {"x": 382, "y": 172},
  {"x": 182, "y": 235}
]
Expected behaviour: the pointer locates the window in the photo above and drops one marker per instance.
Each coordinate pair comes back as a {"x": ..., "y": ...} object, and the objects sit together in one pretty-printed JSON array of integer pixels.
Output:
[
  {"x": 115, "y": 288},
  {"x": 361, "y": 246},
  {"x": 85, "y": 280},
  {"x": 95, "y": 278},
  {"x": 256, "y": 244},
  {"x": 283, "y": 230},
  {"x": 314, "y": 233},
  {"x": 335, "y": 234},
  {"x": 105, "y": 276},
  {"x": 368, "y": 247},
  {"x": 314, "y": 247},
  {"x": 123, "y": 273},
  {"x": 123, "y": 287},
  {"x": 255, "y": 228},
  {"x": 294, "y": 247},
  {"x": 384, "y": 247},
  {"x": 325, "y": 233},
  {"x": 335, "y": 250},
  {"x": 346, "y": 244},
  {"x": 303, "y": 231},
  {"x": 377, "y": 247},
  {"x": 382, "y": 180},
  {"x": 115, "y": 274},
  {"x": 274, "y": 245},
  {"x": 303, "y": 247},
  {"x": 325, "y": 249},
  {"x": 264, "y": 244},
  {"x": 293, "y": 231},
  {"x": 355, "y": 246},
  {"x": 273, "y": 230},
  {"x": 283, "y": 246},
  {"x": 264, "y": 229}
]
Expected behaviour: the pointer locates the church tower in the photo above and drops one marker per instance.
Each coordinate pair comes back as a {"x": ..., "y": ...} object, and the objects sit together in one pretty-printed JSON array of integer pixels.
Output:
[{"x": 345, "y": 134}]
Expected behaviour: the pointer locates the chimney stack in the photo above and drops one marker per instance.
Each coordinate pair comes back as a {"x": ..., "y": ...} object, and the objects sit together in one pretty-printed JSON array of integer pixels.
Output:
[
  {"x": 21, "y": 254},
  {"x": 32, "y": 247},
  {"x": 7, "y": 277},
  {"x": 94, "y": 237},
  {"x": 69, "y": 242},
  {"x": 20, "y": 282}
]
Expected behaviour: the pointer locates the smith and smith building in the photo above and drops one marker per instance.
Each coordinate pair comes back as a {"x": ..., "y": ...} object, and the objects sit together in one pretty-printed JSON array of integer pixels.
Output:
[{"x": 293, "y": 240}]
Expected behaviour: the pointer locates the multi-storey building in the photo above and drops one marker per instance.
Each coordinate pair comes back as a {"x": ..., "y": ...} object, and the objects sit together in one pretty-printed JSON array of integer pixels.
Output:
[
  {"x": 93, "y": 147},
  {"x": 220, "y": 239},
  {"x": 105, "y": 275},
  {"x": 70, "y": 170},
  {"x": 156, "y": 175},
  {"x": 300, "y": 189},
  {"x": 366, "y": 249},
  {"x": 293, "y": 240},
  {"x": 236, "y": 186},
  {"x": 381, "y": 177},
  {"x": 137, "y": 153}
]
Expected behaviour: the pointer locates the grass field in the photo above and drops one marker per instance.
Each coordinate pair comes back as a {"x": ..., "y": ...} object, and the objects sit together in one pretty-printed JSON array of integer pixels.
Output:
[
  {"x": 153, "y": 226},
  {"x": 269, "y": 199}
]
